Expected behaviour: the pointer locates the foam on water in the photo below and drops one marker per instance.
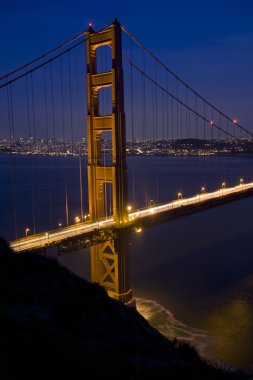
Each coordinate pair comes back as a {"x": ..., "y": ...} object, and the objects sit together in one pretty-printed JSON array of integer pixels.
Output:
[{"x": 164, "y": 321}]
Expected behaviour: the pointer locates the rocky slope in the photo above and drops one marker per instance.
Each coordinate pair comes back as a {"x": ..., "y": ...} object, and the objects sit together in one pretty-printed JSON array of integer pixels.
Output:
[{"x": 53, "y": 323}]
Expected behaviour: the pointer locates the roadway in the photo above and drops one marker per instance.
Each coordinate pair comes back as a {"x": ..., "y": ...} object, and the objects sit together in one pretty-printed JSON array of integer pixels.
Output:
[{"x": 42, "y": 240}]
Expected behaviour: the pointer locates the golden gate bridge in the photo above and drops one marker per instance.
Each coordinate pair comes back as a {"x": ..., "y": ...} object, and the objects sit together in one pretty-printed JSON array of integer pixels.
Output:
[{"x": 108, "y": 86}]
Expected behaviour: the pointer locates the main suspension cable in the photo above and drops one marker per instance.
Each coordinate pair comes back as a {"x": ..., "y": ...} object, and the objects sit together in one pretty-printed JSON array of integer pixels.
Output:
[
  {"x": 175, "y": 98},
  {"x": 183, "y": 82},
  {"x": 47, "y": 61}
]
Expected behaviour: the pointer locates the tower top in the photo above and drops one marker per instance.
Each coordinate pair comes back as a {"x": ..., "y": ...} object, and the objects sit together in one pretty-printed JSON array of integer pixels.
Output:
[
  {"x": 90, "y": 29},
  {"x": 116, "y": 21}
]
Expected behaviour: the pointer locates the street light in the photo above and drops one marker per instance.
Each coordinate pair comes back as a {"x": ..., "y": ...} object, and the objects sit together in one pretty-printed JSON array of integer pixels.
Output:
[
  {"x": 26, "y": 231},
  {"x": 203, "y": 189},
  {"x": 241, "y": 181},
  {"x": 59, "y": 224},
  {"x": 129, "y": 208},
  {"x": 77, "y": 219},
  {"x": 179, "y": 195},
  {"x": 223, "y": 185}
]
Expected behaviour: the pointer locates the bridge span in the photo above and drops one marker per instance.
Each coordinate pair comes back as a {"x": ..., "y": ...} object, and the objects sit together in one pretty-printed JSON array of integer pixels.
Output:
[
  {"x": 96, "y": 231},
  {"x": 42, "y": 103}
]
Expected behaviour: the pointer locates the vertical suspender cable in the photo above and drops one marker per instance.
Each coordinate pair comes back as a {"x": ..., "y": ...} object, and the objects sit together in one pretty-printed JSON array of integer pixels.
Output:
[
  {"x": 13, "y": 158},
  {"x": 48, "y": 155},
  {"x": 64, "y": 142},
  {"x": 81, "y": 182},
  {"x": 156, "y": 135},
  {"x": 167, "y": 108},
  {"x": 79, "y": 151},
  {"x": 27, "y": 105},
  {"x": 34, "y": 160},
  {"x": 55, "y": 177},
  {"x": 144, "y": 131},
  {"x": 132, "y": 122},
  {"x": 71, "y": 115},
  {"x": 177, "y": 110}
]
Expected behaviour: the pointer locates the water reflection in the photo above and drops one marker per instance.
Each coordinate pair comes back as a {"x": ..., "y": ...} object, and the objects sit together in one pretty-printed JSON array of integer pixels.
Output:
[
  {"x": 231, "y": 329},
  {"x": 200, "y": 267}
]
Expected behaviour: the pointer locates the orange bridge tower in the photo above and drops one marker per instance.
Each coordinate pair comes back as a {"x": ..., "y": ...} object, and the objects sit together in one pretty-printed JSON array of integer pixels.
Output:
[{"x": 109, "y": 266}]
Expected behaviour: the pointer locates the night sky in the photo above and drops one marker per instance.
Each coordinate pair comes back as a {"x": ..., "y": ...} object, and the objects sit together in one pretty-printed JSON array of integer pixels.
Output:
[{"x": 208, "y": 43}]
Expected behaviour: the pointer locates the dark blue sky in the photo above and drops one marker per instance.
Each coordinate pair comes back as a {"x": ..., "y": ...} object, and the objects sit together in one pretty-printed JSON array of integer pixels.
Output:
[{"x": 208, "y": 43}]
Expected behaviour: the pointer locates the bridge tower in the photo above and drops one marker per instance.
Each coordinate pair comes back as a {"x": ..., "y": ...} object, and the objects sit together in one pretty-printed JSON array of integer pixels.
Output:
[{"x": 109, "y": 259}]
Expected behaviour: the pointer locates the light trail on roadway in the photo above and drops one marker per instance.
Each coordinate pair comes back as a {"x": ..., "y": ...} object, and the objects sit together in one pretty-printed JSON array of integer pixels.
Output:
[{"x": 42, "y": 240}]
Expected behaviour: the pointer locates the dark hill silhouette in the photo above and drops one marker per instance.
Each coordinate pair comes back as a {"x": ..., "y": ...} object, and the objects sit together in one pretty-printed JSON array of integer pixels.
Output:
[{"x": 56, "y": 325}]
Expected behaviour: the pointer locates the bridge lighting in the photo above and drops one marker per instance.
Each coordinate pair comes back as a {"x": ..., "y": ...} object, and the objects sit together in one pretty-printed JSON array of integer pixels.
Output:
[
  {"x": 179, "y": 195},
  {"x": 211, "y": 122},
  {"x": 129, "y": 208},
  {"x": 223, "y": 185},
  {"x": 90, "y": 25},
  {"x": 241, "y": 181},
  {"x": 235, "y": 121},
  {"x": 77, "y": 219},
  {"x": 203, "y": 189},
  {"x": 26, "y": 231}
]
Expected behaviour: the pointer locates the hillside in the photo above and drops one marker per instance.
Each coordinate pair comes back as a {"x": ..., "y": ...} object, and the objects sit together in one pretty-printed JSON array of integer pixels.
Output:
[{"x": 53, "y": 323}]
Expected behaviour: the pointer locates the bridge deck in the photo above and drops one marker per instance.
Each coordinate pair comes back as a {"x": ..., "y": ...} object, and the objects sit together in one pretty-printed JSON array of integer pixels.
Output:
[{"x": 39, "y": 241}]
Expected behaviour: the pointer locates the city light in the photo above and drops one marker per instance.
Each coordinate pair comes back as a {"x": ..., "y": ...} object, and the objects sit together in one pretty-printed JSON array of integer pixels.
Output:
[{"x": 143, "y": 148}]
